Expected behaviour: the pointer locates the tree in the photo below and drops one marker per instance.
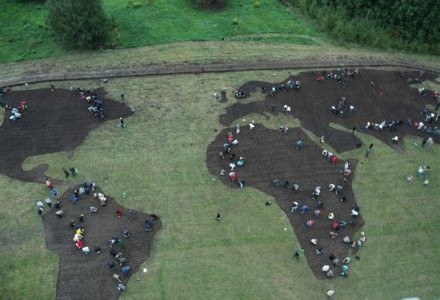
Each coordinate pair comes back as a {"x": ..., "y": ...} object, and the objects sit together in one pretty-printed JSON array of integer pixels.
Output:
[{"x": 78, "y": 23}]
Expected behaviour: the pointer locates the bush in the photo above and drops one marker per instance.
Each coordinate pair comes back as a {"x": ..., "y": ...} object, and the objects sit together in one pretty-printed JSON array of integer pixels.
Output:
[
  {"x": 78, "y": 24},
  {"x": 210, "y": 4}
]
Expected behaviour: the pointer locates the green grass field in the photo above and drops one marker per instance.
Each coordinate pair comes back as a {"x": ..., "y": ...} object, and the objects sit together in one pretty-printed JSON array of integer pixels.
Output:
[
  {"x": 25, "y": 34},
  {"x": 159, "y": 161}
]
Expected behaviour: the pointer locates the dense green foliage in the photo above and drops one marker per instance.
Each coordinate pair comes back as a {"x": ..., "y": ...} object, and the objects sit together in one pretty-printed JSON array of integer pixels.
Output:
[
  {"x": 79, "y": 24},
  {"x": 409, "y": 25},
  {"x": 214, "y": 4}
]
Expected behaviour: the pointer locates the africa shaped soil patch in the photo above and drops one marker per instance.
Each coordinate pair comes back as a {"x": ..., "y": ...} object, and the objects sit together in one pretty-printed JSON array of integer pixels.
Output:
[{"x": 270, "y": 154}]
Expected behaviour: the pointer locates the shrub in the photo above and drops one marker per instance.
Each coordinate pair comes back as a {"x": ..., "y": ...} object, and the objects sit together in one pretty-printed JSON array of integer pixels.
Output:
[
  {"x": 78, "y": 24},
  {"x": 210, "y": 4}
]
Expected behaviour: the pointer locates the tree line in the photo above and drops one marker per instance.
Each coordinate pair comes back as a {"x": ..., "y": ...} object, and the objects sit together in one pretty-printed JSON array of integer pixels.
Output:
[{"x": 410, "y": 25}]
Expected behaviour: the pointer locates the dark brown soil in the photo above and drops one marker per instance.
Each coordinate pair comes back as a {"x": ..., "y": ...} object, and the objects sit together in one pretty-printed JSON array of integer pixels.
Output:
[
  {"x": 376, "y": 96},
  {"x": 55, "y": 121},
  {"x": 271, "y": 154},
  {"x": 82, "y": 276},
  {"x": 312, "y": 105}
]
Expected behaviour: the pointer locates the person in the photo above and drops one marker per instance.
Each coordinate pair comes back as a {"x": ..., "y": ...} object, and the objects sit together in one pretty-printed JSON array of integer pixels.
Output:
[
  {"x": 344, "y": 270},
  {"x": 304, "y": 209},
  {"x": 298, "y": 252},
  {"x": 59, "y": 213},
  {"x": 369, "y": 150},
  {"x": 240, "y": 162},
  {"x": 218, "y": 217},
  {"x": 233, "y": 176},
  {"x": 81, "y": 217},
  {"x": 351, "y": 109},
  {"x": 316, "y": 192},
  {"x": 331, "y": 187},
  {"x": 241, "y": 183},
  {"x": 73, "y": 171},
  {"x": 317, "y": 213},
  {"x": 49, "y": 183},
  {"x": 121, "y": 287},
  {"x": 148, "y": 225},
  {"x": 117, "y": 277},
  {"x": 295, "y": 187},
  {"x": 79, "y": 244},
  {"x": 333, "y": 235},
  {"x": 310, "y": 223},
  {"x": 294, "y": 207},
  {"x": 122, "y": 122}
]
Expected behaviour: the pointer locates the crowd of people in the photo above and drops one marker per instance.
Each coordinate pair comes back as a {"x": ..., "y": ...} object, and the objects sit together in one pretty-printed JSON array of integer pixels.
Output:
[
  {"x": 96, "y": 103},
  {"x": 16, "y": 112}
]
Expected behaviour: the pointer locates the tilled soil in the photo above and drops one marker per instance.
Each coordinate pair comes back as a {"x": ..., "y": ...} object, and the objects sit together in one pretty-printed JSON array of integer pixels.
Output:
[
  {"x": 272, "y": 154},
  {"x": 376, "y": 95},
  {"x": 55, "y": 121},
  {"x": 82, "y": 276}
]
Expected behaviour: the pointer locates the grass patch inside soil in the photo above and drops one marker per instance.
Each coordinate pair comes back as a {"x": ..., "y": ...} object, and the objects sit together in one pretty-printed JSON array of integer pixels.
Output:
[{"x": 159, "y": 161}]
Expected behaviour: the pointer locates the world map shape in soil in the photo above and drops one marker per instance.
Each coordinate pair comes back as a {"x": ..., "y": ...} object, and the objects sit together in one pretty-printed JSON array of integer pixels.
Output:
[
  {"x": 375, "y": 95},
  {"x": 55, "y": 121},
  {"x": 87, "y": 276}
]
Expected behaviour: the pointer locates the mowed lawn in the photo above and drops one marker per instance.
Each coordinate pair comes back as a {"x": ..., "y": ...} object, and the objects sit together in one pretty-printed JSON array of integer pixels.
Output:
[
  {"x": 158, "y": 160},
  {"x": 26, "y": 34}
]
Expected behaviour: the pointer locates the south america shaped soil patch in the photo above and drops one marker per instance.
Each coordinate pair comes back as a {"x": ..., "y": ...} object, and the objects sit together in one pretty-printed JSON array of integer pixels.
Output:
[{"x": 116, "y": 236}]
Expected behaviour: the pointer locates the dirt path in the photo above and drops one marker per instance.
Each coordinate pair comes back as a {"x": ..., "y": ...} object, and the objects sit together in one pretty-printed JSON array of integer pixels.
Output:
[{"x": 187, "y": 68}]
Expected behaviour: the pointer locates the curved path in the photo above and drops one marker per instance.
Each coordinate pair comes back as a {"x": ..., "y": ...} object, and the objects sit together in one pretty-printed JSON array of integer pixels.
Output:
[{"x": 187, "y": 68}]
